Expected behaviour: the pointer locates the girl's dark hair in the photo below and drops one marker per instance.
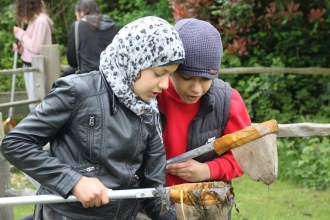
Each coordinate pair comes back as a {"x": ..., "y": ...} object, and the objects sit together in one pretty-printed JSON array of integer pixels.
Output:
[
  {"x": 89, "y": 7},
  {"x": 27, "y": 10}
]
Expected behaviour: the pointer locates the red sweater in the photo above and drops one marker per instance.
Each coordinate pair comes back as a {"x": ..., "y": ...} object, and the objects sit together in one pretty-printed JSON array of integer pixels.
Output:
[{"x": 178, "y": 118}]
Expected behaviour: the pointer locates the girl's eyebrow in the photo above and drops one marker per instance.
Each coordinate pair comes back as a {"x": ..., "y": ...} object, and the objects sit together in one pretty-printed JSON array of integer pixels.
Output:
[
  {"x": 164, "y": 69},
  {"x": 186, "y": 76}
]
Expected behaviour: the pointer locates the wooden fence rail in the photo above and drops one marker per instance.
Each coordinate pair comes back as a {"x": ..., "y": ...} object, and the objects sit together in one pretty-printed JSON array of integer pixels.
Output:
[
  {"x": 18, "y": 103},
  {"x": 18, "y": 70},
  {"x": 46, "y": 68},
  {"x": 38, "y": 78},
  {"x": 305, "y": 129},
  {"x": 254, "y": 70}
]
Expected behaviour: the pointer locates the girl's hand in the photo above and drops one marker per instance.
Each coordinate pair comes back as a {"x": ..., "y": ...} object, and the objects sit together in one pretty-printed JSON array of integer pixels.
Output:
[
  {"x": 16, "y": 29},
  {"x": 190, "y": 170},
  {"x": 90, "y": 192},
  {"x": 15, "y": 47}
]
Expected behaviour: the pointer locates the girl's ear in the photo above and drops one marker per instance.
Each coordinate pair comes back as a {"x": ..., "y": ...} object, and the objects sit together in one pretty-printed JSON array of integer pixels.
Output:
[{"x": 138, "y": 75}]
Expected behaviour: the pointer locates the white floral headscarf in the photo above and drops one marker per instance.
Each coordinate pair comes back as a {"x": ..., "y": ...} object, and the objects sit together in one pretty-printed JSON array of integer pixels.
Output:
[{"x": 144, "y": 43}]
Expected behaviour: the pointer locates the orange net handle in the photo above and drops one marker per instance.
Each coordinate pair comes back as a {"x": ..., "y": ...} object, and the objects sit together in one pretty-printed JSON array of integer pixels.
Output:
[{"x": 248, "y": 134}]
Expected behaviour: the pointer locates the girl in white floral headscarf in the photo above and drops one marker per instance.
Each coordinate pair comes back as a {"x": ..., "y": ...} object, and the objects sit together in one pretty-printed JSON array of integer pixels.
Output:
[
  {"x": 145, "y": 43},
  {"x": 103, "y": 128}
]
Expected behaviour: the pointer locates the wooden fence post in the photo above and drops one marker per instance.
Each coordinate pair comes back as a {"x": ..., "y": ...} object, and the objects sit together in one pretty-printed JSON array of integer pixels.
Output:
[
  {"x": 5, "y": 212},
  {"x": 2, "y": 132},
  {"x": 52, "y": 57},
  {"x": 39, "y": 76}
]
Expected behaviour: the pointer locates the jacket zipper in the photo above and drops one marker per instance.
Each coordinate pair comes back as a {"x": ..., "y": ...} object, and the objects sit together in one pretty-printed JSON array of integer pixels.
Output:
[
  {"x": 88, "y": 169},
  {"x": 91, "y": 134},
  {"x": 131, "y": 176}
]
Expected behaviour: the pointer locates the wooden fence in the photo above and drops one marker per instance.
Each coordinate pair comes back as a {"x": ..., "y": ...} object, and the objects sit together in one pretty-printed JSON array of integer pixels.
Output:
[
  {"x": 47, "y": 69},
  {"x": 256, "y": 70}
]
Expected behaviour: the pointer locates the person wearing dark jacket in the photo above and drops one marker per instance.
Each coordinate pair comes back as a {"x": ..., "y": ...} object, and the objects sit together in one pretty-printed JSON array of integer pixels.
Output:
[
  {"x": 103, "y": 128},
  {"x": 95, "y": 33}
]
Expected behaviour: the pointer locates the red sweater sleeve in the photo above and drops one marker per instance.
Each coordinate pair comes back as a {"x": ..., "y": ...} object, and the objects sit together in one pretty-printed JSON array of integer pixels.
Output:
[{"x": 226, "y": 167}]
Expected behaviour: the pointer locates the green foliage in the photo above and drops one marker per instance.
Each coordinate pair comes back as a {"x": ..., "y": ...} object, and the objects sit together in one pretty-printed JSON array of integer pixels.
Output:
[
  {"x": 305, "y": 161},
  {"x": 6, "y": 81},
  {"x": 6, "y": 36},
  {"x": 241, "y": 12},
  {"x": 283, "y": 41},
  {"x": 255, "y": 37},
  {"x": 6, "y": 54},
  {"x": 22, "y": 211},
  {"x": 292, "y": 46},
  {"x": 229, "y": 61},
  {"x": 288, "y": 98},
  {"x": 294, "y": 31},
  {"x": 62, "y": 12},
  {"x": 129, "y": 10},
  {"x": 312, "y": 167}
]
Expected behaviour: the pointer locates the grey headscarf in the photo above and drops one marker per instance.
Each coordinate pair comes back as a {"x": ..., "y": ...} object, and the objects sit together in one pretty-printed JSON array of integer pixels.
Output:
[{"x": 144, "y": 43}]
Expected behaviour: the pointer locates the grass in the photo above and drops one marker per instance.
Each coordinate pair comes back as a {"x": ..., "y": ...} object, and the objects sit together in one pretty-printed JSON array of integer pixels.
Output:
[
  {"x": 21, "y": 211},
  {"x": 19, "y": 181},
  {"x": 281, "y": 200},
  {"x": 255, "y": 201}
]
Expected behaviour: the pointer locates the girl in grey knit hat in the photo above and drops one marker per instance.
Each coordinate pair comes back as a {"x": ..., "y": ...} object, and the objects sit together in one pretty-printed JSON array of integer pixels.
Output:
[{"x": 208, "y": 108}]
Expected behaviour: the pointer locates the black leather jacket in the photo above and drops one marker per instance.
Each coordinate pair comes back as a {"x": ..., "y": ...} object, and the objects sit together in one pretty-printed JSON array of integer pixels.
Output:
[{"x": 91, "y": 134}]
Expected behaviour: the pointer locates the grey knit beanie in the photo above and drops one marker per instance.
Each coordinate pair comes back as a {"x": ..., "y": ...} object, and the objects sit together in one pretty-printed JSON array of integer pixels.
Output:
[{"x": 203, "y": 48}]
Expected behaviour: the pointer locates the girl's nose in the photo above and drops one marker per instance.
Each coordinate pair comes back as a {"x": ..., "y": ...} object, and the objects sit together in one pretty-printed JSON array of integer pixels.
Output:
[
  {"x": 163, "y": 84},
  {"x": 196, "y": 87}
]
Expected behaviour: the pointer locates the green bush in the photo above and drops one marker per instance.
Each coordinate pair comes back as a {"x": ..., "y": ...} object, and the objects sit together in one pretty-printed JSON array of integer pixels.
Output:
[
  {"x": 128, "y": 10},
  {"x": 6, "y": 36},
  {"x": 305, "y": 161}
]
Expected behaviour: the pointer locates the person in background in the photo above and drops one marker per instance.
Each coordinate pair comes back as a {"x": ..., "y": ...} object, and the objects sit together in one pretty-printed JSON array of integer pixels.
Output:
[
  {"x": 103, "y": 128},
  {"x": 32, "y": 13},
  {"x": 208, "y": 108},
  {"x": 95, "y": 32}
]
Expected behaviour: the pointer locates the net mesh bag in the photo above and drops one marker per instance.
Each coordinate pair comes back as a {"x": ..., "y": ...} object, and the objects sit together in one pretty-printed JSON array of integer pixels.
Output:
[
  {"x": 207, "y": 200},
  {"x": 259, "y": 159},
  {"x": 255, "y": 150}
]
